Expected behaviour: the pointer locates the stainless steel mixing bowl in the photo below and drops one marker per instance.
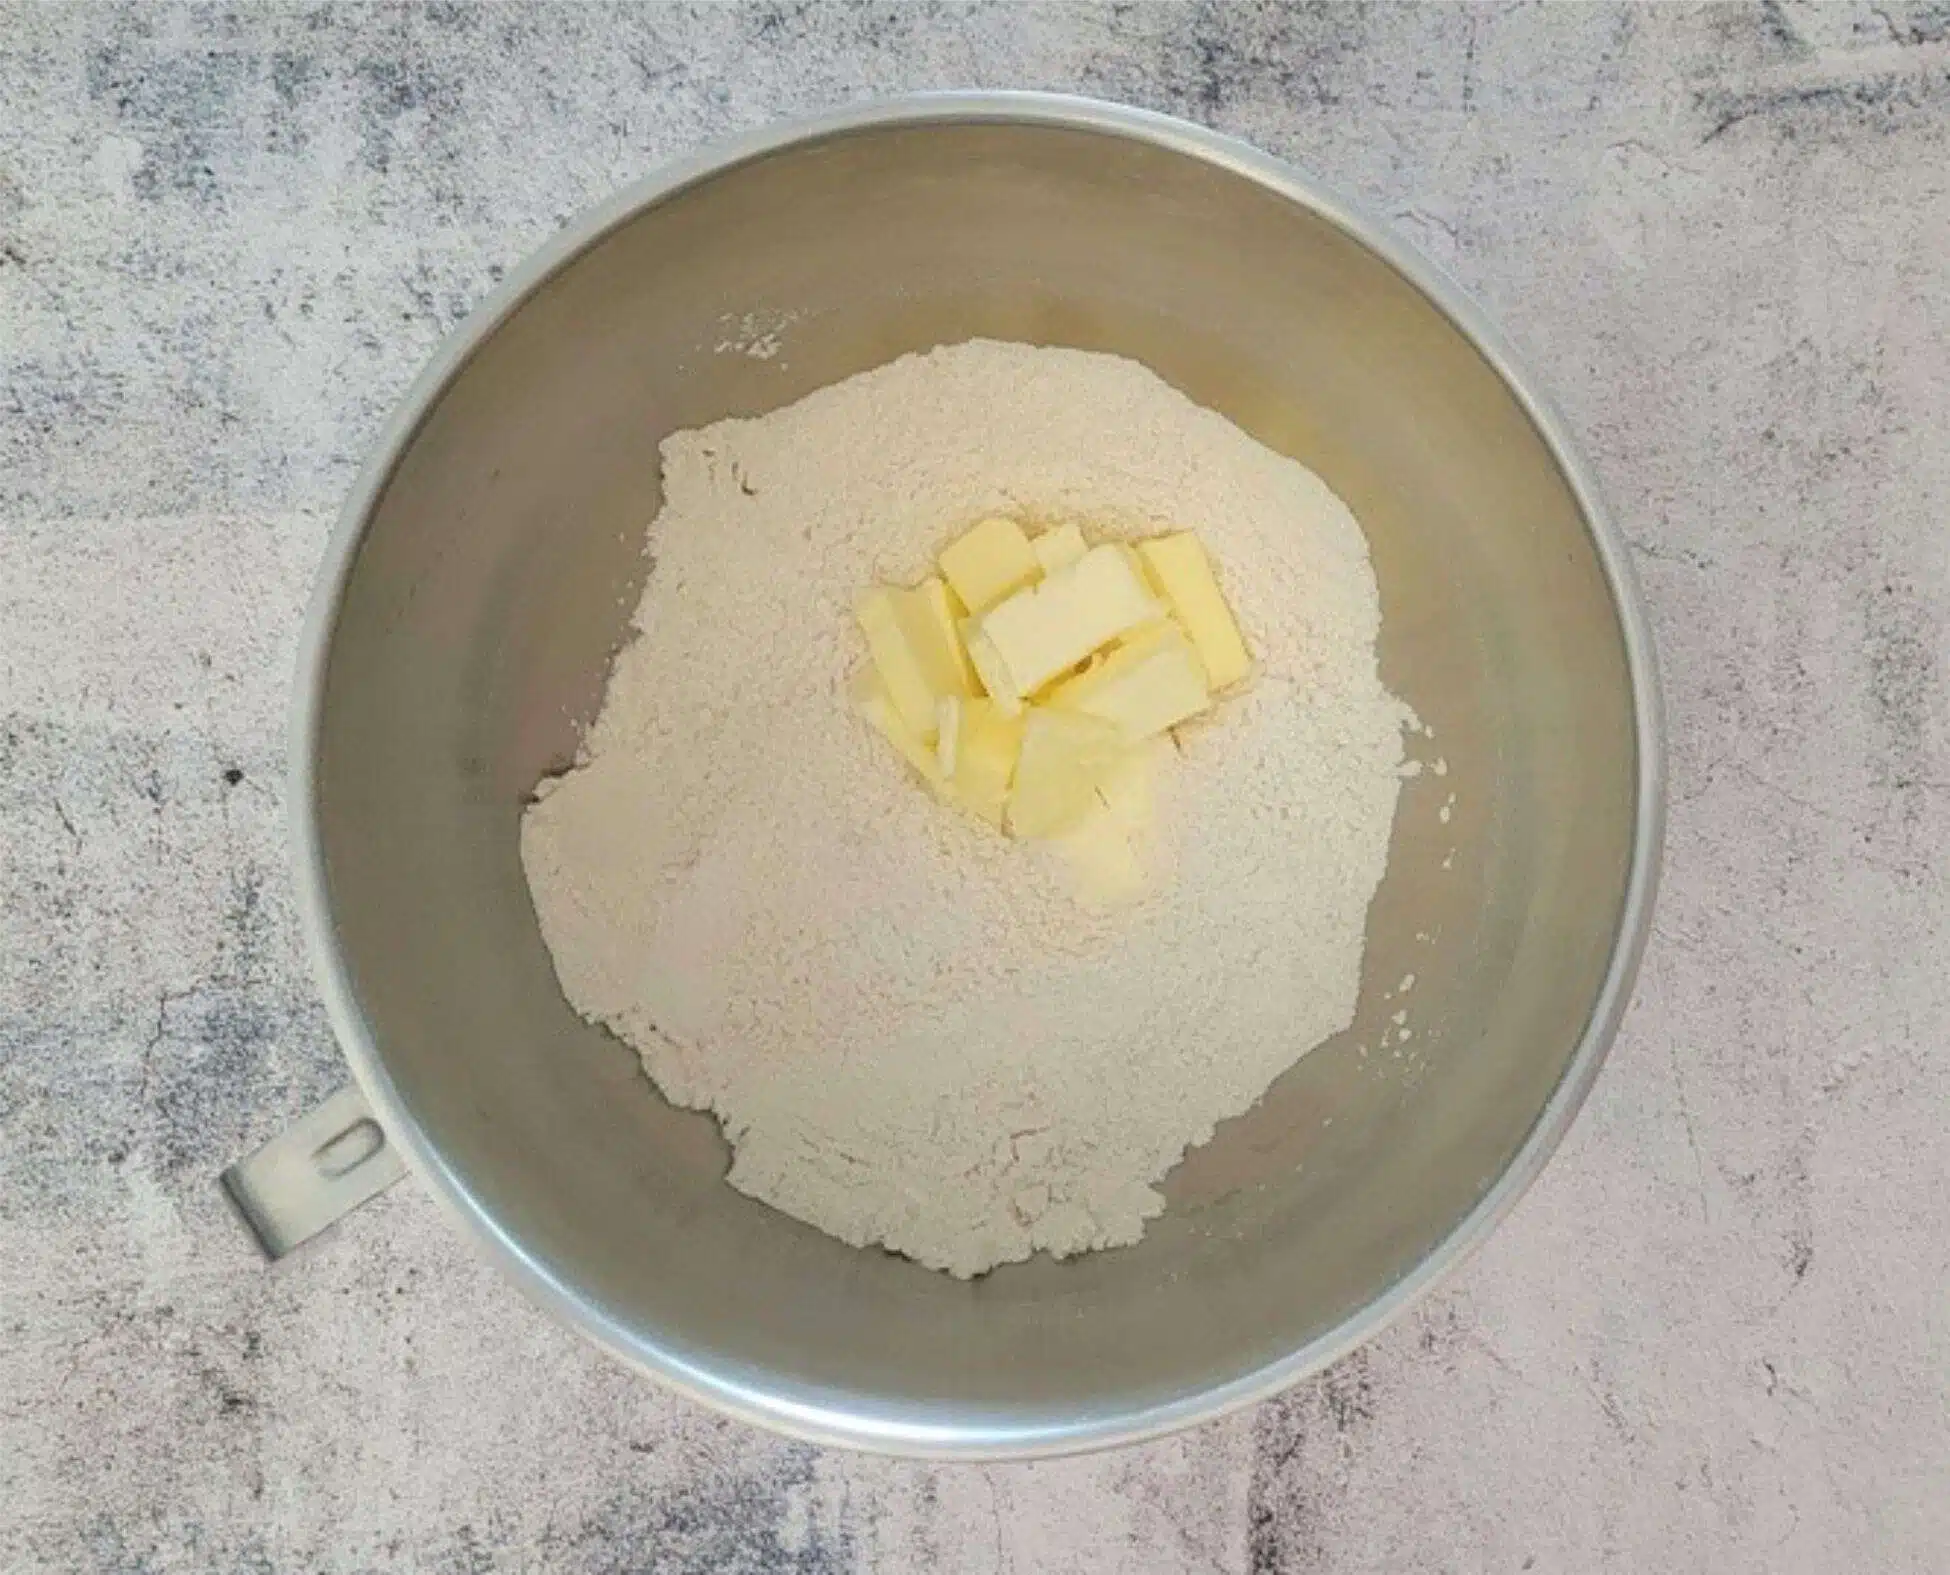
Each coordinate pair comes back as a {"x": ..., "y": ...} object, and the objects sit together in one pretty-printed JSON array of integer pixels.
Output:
[{"x": 484, "y": 571}]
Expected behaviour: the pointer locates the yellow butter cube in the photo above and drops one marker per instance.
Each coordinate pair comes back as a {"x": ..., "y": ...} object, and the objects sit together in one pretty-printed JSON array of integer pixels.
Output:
[
  {"x": 1183, "y": 574},
  {"x": 1103, "y": 864},
  {"x": 871, "y": 700},
  {"x": 1144, "y": 686},
  {"x": 947, "y": 742},
  {"x": 986, "y": 747},
  {"x": 1039, "y": 634},
  {"x": 911, "y": 636},
  {"x": 1065, "y": 754},
  {"x": 989, "y": 562},
  {"x": 1058, "y": 547},
  {"x": 940, "y": 614},
  {"x": 1128, "y": 791},
  {"x": 992, "y": 674},
  {"x": 902, "y": 680}
]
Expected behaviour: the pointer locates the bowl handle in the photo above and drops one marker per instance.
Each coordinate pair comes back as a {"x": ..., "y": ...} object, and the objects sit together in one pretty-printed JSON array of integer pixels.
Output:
[{"x": 325, "y": 1164}]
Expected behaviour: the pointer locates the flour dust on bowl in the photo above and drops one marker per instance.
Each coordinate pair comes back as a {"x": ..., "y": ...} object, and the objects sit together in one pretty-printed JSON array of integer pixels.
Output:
[{"x": 485, "y": 576}]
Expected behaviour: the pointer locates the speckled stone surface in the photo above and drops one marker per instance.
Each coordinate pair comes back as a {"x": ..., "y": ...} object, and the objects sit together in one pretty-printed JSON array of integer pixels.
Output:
[{"x": 1716, "y": 1337}]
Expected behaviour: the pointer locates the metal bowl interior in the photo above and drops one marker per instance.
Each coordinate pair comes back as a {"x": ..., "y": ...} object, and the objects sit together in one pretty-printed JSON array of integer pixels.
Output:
[{"x": 485, "y": 574}]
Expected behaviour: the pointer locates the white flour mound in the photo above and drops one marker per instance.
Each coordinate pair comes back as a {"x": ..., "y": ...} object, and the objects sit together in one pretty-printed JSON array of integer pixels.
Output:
[{"x": 911, "y": 1032}]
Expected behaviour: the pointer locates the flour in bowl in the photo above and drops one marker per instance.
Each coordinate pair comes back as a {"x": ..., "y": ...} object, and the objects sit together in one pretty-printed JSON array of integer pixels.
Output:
[{"x": 911, "y": 1031}]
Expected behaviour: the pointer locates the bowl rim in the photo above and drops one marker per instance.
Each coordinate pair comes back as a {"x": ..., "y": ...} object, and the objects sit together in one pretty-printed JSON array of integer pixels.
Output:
[{"x": 917, "y": 1430}]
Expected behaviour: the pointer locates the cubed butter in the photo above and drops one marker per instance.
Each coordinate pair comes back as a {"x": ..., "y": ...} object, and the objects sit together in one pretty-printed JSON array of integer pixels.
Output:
[
  {"x": 1036, "y": 683},
  {"x": 1180, "y": 570},
  {"x": 1143, "y": 687},
  {"x": 1129, "y": 790},
  {"x": 989, "y": 562},
  {"x": 871, "y": 700},
  {"x": 1059, "y": 547},
  {"x": 1103, "y": 864},
  {"x": 986, "y": 747},
  {"x": 940, "y": 616},
  {"x": 1040, "y": 633},
  {"x": 947, "y": 741},
  {"x": 912, "y": 638},
  {"x": 992, "y": 674},
  {"x": 1065, "y": 754}
]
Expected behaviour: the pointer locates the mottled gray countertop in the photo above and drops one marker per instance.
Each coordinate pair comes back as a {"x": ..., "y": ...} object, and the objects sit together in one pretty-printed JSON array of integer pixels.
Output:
[{"x": 1716, "y": 1337}]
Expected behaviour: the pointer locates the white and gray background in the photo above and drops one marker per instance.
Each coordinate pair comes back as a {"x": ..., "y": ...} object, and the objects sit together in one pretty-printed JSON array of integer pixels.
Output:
[{"x": 1715, "y": 1337}]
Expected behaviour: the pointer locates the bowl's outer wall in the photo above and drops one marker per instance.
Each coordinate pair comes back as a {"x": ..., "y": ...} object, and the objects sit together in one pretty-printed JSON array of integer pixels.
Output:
[{"x": 494, "y": 578}]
